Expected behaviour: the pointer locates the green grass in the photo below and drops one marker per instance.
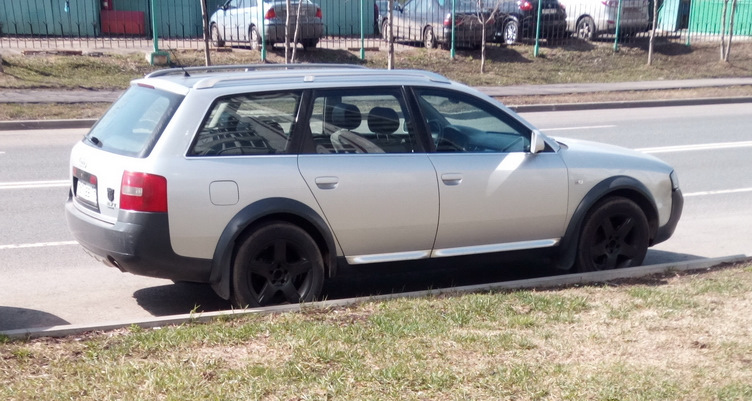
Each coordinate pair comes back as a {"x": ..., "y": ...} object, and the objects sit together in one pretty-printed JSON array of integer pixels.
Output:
[{"x": 561, "y": 344}]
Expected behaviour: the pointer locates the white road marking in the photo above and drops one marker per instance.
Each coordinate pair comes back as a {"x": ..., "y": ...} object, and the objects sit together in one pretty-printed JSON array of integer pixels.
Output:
[
  {"x": 37, "y": 245},
  {"x": 577, "y": 128},
  {"x": 705, "y": 146},
  {"x": 720, "y": 192},
  {"x": 34, "y": 184}
]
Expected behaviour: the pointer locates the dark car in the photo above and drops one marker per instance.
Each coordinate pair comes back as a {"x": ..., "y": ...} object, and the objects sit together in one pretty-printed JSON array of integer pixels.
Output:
[{"x": 517, "y": 19}]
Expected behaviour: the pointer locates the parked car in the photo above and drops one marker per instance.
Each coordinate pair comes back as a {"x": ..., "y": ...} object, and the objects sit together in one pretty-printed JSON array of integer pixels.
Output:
[
  {"x": 587, "y": 19},
  {"x": 263, "y": 179},
  {"x": 240, "y": 21},
  {"x": 518, "y": 19},
  {"x": 430, "y": 22}
]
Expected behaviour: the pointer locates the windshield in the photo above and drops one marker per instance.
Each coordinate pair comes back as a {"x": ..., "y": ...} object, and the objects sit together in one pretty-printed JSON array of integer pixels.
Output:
[{"x": 134, "y": 122}]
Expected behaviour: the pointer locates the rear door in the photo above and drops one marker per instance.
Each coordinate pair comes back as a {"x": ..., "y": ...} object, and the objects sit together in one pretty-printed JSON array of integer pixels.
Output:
[{"x": 370, "y": 175}]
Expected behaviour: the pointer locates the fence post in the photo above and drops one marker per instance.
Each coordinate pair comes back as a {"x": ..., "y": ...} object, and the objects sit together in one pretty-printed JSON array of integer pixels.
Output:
[
  {"x": 156, "y": 57},
  {"x": 618, "y": 27},
  {"x": 453, "y": 52},
  {"x": 362, "y": 32},
  {"x": 536, "y": 50}
]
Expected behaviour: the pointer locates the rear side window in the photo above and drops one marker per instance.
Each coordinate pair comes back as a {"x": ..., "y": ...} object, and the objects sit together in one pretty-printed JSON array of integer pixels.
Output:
[
  {"x": 253, "y": 124},
  {"x": 135, "y": 121}
]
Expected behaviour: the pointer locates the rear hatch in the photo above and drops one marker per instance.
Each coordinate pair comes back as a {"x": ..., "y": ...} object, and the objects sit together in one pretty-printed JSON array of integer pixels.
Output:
[
  {"x": 117, "y": 143},
  {"x": 308, "y": 10}
]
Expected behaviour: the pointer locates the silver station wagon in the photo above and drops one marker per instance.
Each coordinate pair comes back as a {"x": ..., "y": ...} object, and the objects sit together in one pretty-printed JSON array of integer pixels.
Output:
[{"x": 262, "y": 180}]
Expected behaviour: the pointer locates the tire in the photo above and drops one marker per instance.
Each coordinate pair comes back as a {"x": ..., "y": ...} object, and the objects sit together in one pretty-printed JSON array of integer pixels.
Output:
[
  {"x": 216, "y": 38},
  {"x": 511, "y": 31},
  {"x": 277, "y": 263},
  {"x": 614, "y": 235},
  {"x": 254, "y": 40},
  {"x": 385, "y": 30},
  {"x": 429, "y": 38},
  {"x": 309, "y": 44},
  {"x": 585, "y": 29}
]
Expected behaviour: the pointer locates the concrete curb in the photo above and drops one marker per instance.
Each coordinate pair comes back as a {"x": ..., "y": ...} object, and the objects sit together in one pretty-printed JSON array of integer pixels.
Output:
[
  {"x": 543, "y": 282},
  {"x": 533, "y": 108}
]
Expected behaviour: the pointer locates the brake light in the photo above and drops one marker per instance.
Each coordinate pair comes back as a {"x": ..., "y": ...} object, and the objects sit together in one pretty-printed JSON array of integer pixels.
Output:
[
  {"x": 448, "y": 20},
  {"x": 319, "y": 14},
  {"x": 526, "y": 6},
  {"x": 143, "y": 192},
  {"x": 271, "y": 14}
]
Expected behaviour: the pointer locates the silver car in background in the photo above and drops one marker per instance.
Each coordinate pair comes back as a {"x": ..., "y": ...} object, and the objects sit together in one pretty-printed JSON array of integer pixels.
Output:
[
  {"x": 240, "y": 21},
  {"x": 430, "y": 22},
  {"x": 262, "y": 180},
  {"x": 587, "y": 19}
]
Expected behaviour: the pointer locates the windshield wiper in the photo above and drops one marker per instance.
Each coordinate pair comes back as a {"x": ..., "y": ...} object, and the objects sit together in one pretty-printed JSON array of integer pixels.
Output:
[{"x": 95, "y": 141}]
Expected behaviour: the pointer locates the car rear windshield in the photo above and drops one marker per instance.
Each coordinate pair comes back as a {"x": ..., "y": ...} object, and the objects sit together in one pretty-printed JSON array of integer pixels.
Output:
[{"x": 135, "y": 121}]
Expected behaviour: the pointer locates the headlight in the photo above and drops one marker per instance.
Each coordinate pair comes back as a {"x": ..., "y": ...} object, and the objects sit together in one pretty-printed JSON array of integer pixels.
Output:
[{"x": 674, "y": 180}]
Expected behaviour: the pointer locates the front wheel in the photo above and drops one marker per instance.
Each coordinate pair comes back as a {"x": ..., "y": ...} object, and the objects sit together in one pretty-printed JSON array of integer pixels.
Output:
[
  {"x": 278, "y": 263},
  {"x": 586, "y": 29},
  {"x": 614, "y": 235},
  {"x": 216, "y": 38}
]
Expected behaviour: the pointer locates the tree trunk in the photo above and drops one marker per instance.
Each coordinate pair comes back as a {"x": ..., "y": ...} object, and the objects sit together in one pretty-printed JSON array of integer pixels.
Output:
[
  {"x": 731, "y": 32},
  {"x": 287, "y": 32},
  {"x": 297, "y": 29},
  {"x": 205, "y": 19},
  {"x": 652, "y": 33},
  {"x": 723, "y": 29},
  {"x": 390, "y": 36}
]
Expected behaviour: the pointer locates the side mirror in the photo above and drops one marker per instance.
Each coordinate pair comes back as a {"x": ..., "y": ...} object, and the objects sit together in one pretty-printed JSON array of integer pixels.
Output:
[{"x": 537, "y": 144}]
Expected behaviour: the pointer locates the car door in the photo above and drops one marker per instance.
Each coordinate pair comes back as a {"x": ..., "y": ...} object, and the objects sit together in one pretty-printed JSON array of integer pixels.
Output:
[
  {"x": 495, "y": 195},
  {"x": 234, "y": 20},
  {"x": 371, "y": 177}
]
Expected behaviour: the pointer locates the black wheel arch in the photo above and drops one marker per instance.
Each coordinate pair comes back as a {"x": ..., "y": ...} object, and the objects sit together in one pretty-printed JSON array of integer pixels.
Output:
[
  {"x": 258, "y": 213},
  {"x": 618, "y": 186}
]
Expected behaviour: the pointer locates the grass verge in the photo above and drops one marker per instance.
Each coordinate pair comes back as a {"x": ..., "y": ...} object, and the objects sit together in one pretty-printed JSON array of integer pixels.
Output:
[{"x": 668, "y": 337}]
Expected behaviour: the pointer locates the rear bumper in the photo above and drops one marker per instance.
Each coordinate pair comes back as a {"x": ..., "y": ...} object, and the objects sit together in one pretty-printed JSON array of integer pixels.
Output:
[
  {"x": 275, "y": 32},
  {"x": 138, "y": 243}
]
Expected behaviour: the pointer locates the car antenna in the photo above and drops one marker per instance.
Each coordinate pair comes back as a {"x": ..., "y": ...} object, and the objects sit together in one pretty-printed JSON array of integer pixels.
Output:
[{"x": 179, "y": 64}]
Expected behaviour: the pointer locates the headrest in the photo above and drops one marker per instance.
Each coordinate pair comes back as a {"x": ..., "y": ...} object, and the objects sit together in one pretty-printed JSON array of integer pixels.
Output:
[
  {"x": 346, "y": 116},
  {"x": 383, "y": 120}
]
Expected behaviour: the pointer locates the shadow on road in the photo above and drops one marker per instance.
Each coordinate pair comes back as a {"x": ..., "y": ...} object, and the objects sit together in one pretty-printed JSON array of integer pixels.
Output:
[
  {"x": 21, "y": 318},
  {"x": 377, "y": 279}
]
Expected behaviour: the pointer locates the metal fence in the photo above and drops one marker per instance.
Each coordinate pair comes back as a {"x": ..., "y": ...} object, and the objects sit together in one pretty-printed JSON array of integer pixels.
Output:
[{"x": 361, "y": 23}]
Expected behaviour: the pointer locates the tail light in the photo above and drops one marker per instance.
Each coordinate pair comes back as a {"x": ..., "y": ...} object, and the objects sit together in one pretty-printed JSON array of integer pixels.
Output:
[
  {"x": 143, "y": 192},
  {"x": 319, "y": 14},
  {"x": 448, "y": 20},
  {"x": 271, "y": 14},
  {"x": 526, "y": 6}
]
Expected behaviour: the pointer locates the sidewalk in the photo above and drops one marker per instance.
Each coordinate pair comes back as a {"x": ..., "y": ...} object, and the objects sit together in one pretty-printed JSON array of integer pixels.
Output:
[{"x": 107, "y": 96}]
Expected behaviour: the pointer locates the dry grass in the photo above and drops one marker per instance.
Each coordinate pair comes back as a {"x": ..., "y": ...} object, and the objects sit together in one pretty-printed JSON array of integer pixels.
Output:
[{"x": 669, "y": 337}]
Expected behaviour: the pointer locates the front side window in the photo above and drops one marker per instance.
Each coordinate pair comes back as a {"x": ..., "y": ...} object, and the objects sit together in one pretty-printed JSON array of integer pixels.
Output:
[
  {"x": 462, "y": 123},
  {"x": 135, "y": 121},
  {"x": 369, "y": 120},
  {"x": 250, "y": 124}
]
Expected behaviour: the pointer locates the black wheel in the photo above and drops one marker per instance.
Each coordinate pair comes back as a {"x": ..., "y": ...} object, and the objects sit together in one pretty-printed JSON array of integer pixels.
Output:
[
  {"x": 429, "y": 38},
  {"x": 586, "y": 29},
  {"x": 511, "y": 32},
  {"x": 385, "y": 30},
  {"x": 216, "y": 38},
  {"x": 254, "y": 39},
  {"x": 614, "y": 235},
  {"x": 309, "y": 43},
  {"x": 278, "y": 263}
]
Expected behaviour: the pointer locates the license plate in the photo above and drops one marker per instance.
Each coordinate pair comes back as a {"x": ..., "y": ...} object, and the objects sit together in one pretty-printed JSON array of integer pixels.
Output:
[
  {"x": 87, "y": 192},
  {"x": 548, "y": 11}
]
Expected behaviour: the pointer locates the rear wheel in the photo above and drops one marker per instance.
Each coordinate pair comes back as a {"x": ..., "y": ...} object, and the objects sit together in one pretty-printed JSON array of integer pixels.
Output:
[
  {"x": 429, "y": 38},
  {"x": 385, "y": 30},
  {"x": 586, "y": 29},
  {"x": 216, "y": 38},
  {"x": 511, "y": 32},
  {"x": 278, "y": 263},
  {"x": 614, "y": 235},
  {"x": 309, "y": 43}
]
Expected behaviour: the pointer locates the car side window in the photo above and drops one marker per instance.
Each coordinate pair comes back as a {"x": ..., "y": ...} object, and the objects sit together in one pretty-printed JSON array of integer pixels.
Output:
[
  {"x": 254, "y": 124},
  {"x": 369, "y": 120},
  {"x": 460, "y": 123}
]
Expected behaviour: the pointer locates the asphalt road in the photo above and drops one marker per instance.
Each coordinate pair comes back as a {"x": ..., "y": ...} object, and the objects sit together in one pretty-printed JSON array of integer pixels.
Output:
[{"x": 46, "y": 279}]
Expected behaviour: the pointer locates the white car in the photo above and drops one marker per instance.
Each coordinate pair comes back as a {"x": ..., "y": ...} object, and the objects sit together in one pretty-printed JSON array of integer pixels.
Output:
[
  {"x": 587, "y": 19},
  {"x": 241, "y": 21},
  {"x": 261, "y": 180}
]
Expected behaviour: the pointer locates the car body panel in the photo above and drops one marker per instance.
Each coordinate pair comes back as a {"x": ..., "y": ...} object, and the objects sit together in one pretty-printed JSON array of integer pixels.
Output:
[
  {"x": 635, "y": 15},
  {"x": 235, "y": 18}
]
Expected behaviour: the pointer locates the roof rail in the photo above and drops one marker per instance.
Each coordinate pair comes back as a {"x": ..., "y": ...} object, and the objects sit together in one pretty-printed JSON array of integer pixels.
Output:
[{"x": 249, "y": 67}]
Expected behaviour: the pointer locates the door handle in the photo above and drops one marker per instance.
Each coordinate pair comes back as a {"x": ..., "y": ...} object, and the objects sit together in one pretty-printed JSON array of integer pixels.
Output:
[
  {"x": 327, "y": 182},
  {"x": 451, "y": 178}
]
